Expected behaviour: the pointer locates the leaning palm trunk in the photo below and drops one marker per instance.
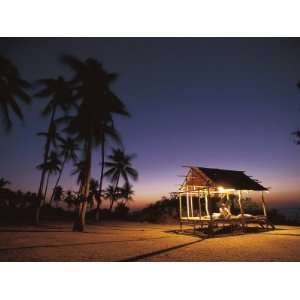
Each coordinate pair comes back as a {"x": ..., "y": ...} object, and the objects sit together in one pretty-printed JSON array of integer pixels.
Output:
[
  {"x": 58, "y": 179},
  {"x": 40, "y": 191},
  {"x": 46, "y": 189},
  {"x": 114, "y": 194},
  {"x": 79, "y": 222},
  {"x": 100, "y": 181}
]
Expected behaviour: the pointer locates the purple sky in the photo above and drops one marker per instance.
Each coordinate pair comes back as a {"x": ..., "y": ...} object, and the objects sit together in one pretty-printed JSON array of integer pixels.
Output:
[{"x": 225, "y": 103}]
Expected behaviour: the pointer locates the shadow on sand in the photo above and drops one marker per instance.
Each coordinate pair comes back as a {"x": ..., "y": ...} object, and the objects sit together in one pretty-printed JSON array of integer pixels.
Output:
[
  {"x": 80, "y": 244},
  {"x": 147, "y": 255}
]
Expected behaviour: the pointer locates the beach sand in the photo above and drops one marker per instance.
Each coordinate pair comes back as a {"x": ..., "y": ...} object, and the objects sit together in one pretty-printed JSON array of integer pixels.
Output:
[{"x": 124, "y": 241}]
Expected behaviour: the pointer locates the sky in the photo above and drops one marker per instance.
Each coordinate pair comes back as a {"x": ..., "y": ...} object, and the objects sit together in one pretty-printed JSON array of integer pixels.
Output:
[{"x": 227, "y": 103}]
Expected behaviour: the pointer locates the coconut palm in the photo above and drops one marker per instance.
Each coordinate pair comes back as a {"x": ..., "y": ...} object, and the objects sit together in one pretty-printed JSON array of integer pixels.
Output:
[
  {"x": 58, "y": 194},
  {"x": 52, "y": 166},
  {"x": 127, "y": 192},
  {"x": 120, "y": 166},
  {"x": 93, "y": 193},
  {"x": 109, "y": 133},
  {"x": 60, "y": 94},
  {"x": 112, "y": 195},
  {"x": 91, "y": 85},
  {"x": 70, "y": 199},
  {"x": 297, "y": 135},
  {"x": 3, "y": 183},
  {"x": 68, "y": 149},
  {"x": 12, "y": 89}
]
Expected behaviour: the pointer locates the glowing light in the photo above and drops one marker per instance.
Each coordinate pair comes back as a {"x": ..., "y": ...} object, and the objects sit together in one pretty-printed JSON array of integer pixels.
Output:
[{"x": 221, "y": 189}]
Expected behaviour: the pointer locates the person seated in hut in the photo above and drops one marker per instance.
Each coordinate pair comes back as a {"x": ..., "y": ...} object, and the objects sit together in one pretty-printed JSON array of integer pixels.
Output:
[{"x": 224, "y": 211}]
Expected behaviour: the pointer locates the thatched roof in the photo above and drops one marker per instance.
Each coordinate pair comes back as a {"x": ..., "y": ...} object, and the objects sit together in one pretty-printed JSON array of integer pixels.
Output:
[{"x": 229, "y": 179}]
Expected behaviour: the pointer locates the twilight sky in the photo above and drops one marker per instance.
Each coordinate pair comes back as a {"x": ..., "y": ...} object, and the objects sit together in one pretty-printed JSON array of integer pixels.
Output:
[{"x": 215, "y": 102}]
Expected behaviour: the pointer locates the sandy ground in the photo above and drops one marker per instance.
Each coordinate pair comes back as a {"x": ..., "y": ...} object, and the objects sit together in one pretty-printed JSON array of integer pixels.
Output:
[{"x": 143, "y": 242}]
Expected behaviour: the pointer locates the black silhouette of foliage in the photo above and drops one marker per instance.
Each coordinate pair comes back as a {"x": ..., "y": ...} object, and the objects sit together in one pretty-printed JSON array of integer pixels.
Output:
[
  {"x": 12, "y": 90},
  {"x": 119, "y": 165},
  {"x": 94, "y": 118}
]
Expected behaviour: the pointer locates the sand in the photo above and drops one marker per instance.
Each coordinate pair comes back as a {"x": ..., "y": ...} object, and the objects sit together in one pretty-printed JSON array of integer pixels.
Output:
[{"x": 118, "y": 241}]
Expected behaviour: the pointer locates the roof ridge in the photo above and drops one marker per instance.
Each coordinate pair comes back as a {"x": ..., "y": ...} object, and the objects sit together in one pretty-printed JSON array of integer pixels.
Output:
[{"x": 200, "y": 167}]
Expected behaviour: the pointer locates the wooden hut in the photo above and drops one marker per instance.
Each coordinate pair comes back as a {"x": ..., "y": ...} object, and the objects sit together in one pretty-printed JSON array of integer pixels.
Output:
[{"x": 203, "y": 184}]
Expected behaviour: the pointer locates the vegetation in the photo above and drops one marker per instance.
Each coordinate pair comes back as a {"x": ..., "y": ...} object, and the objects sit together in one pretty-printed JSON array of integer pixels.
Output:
[
  {"x": 81, "y": 114},
  {"x": 13, "y": 88}
]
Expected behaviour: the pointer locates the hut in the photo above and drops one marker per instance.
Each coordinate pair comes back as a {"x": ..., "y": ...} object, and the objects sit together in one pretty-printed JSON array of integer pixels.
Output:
[{"x": 201, "y": 185}]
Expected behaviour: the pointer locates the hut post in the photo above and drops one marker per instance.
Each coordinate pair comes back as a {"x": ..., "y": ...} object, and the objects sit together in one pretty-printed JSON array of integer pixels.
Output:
[
  {"x": 187, "y": 205},
  {"x": 241, "y": 208},
  {"x": 227, "y": 199},
  {"x": 206, "y": 203},
  {"x": 180, "y": 206},
  {"x": 199, "y": 203},
  {"x": 240, "y": 203},
  {"x": 192, "y": 206},
  {"x": 210, "y": 224},
  {"x": 263, "y": 204}
]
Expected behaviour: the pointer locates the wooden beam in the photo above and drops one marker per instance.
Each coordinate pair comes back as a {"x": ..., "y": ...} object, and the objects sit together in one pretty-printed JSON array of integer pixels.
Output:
[
  {"x": 199, "y": 203},
  {"x": 227, "y": 199},
  {"x": 241, "y": 208},
  {"x": 209, "y": 204},
  {"x": 263, "y": 204},
  {"x": 180, "y": 207},
  {"x": 187, "y": 205},
  {"x": 192, "y": 205},
  {"x": 206, "y": 204}
]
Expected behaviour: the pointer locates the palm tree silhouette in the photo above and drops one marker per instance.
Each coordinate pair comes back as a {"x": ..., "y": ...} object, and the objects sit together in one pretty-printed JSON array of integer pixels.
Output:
[
  {"x": 12, "y": 89},
  {"x": 94, "y": 193},
  {"x": 58, "y": 194},
  {"x": 61, "y": 98},
  {"x": 127, "y": 192},
  {"x": 112, "y": 195},
  {"x": 51, "y": 166},
  {"x": 79, "y": 171},
  {"x": 68, "y": 148},
  {"x": 3, "y": 183},
  {"x": 91, "y": 85},
  {"x": 120, "y": 166}
]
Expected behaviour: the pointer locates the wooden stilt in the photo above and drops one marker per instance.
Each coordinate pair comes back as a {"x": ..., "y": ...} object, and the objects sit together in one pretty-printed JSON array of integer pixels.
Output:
[
  {"x": 192, "y": 206},
  {"x": 241, "y": 208},
  {"x": 263, "y": 204},
  {"x": 199, "y": 203},
  {"x": 210, "y": 224},
  {"x": 187, "y": 205},
  {"x": 227, "y": 199},
  {"x": 206, "y": 204}
]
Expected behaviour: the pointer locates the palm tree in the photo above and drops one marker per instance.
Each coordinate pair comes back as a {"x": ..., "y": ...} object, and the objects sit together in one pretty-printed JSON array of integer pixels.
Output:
[
  {"x": 91, "y": 85},
  {"x": 108, "y": 133},
  {"x": 127, "y": 192},
  {"x": 61, "y": 98},
  {"x": 58, "y": 194},
  {"x": 94, "y": 193},
  {"x": 52, "y": 166},
  {"x": 79, "y": 171},
  {"x": 112, "y": 195},
  {"x": 70, "y": 199},
  {"x": 12, "y": 89},
  {"x": 68, "y": 152},
  {"x": 3, "y": 183},
  {"x": 120, "y": 166}
]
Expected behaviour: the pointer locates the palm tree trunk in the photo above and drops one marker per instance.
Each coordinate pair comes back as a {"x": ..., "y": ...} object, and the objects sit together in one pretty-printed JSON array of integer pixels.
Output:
[
  {"x": 58, "y": 178},
  {"x": 100, "y": 180},
  {"x": 47, "y": 182},
  {"x": 80, "y": 219},
  {"x": 41, "y": 186},
  {"x": 115, "y": 190}
]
